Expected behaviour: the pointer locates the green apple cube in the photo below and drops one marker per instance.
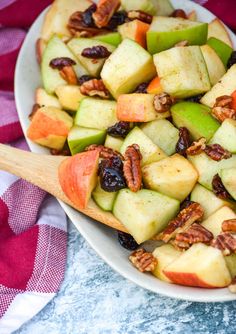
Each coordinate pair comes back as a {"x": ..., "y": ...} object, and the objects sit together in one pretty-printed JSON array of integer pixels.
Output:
[
  {"x": 226, "y": 135},
  {"x": 96, "y": 113},
  {"x": 165, "y": 32},
  {"x": 231, "y": 264},
  {"x": 152, "y": 7},
  {"x": 228, "y": 178},
  {"x": 150, "y": 152},
  {"x": 222, "y": 49},
  {"x": 79, "y": 138},
  {"x": 163, "y": 133},
  {"x": 144, "y": 213},
  {"x": 182, "y": 71},
  {"x": 105, "y": 200},
  {"x": 226, "y": 86},
  {"x": 196, "y": 118},
  {"x": 77, "y": 45},
  {"x": 208, "y": 168},
  {"x": 113, "y": 142},
  {"x": 127, "y": 67},
  {"x": 55, "y": 48},
  {"x": 113, "y": 38}
]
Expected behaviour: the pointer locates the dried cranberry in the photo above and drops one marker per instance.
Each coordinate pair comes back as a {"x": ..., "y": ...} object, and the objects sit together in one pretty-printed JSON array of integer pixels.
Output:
[
  {"x": 112, "y": 179},
  {"x": 87, "y": 15},
  {"x": 120, "y": 129},
  {"x": 183, "y": 142},
  {"x": 218, "y": 188},
  {"x": 195, "y": 98},
  {"x": 179, "y": 13},
  {"x": 142, "y": 88},
  {"x": 117, "y": 19},
  {"x": 127, "y": 241},
  {"x": 232, "y": 59},
  {"x": 84, "y": 78},
  {"x": 96, "y": 52},
  {"x": 60, "y": 63},
  {"x": 115, "y": 163}
]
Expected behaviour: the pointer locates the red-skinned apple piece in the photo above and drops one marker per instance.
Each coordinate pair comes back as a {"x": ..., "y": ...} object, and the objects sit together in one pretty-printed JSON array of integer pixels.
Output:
[
  {"x": 135, "y": 30},
  {"x": 155, "y": 87},
  {"x": 234, "y": 100}
]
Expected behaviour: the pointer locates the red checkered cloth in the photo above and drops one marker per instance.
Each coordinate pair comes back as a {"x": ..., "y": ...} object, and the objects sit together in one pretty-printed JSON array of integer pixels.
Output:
[{"x": 32, "y": 224}]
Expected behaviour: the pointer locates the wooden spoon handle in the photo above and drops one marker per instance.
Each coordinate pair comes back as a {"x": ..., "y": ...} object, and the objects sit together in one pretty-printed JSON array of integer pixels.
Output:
[{"x": 42, "y": 171}]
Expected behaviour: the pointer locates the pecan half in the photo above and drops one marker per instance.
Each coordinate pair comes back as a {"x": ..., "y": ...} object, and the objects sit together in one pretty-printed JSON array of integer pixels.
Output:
[
  {"x": 104, "y": 152},
  {"x": 218, "y": 188},
  {"x": 194, "y": 212},
  {"x": 143, "y": 261},
  {"x": 179, "y": 13},
  {"x": 226, "y": 243},
  {"x": 96, "y": 52},
  {"x": 217, "y": 152},
  {"x": 69, "y": 75},
  {"x": 64, "y": 65},
  {"x": 197, "y": 147},
  {"x": 222, "y": 108},
  {"x": 162, "y": 102},
  {"x": 139, "y": 15},
  {"x": 232, "y": 286},
  {"x": 194, "y": 234},
  {"x": 183, "y": 142},
  {"x": 132, "y": 167},
  {"x": 94, "y": 87},
  {"x": 105, "y": 10},
  {"x": 229, "y": 225},
  {"x": 35, "y": 108}
]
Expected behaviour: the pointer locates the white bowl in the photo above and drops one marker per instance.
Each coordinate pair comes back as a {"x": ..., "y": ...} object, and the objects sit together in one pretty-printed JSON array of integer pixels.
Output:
[{"x": 103, "y": 239}]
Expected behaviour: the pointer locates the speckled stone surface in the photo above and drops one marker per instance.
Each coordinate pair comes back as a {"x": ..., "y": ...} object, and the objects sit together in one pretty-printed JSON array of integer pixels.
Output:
[{"x": 95, "y": 300}]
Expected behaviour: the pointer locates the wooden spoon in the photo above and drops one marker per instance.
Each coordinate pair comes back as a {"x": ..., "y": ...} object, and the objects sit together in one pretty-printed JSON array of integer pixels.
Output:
[{"x": 42, "y": 171}]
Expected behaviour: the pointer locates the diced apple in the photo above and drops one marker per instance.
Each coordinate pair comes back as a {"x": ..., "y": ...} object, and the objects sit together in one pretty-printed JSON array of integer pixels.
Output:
[
  {"x": 152, "y": 7},
  {"x": 228, "y": 178},
  {"x": 69, "y": 97},
  {"x": 135, "y": 30},
  {"x": 163, "y": 134},
  {"x": 231, "y": 264},
  {"x": 78, "y": 177},
  {"x": 165, "y": 255},
  {"x": 182, "y": 71},
  {"x": 43, "y": 99},
  {"x": 223, "y": 50},
  {"x": 208, "y": 168},
  {"x": 39, "y": 49},
  {"x": 50, "y": 127},
  {"x": 150, "y": 152},
  {"x": 127, "y": 67},
  {"x": 208, "y": 200},
  {"x": 95, "y": 113},
  {"x": 165, "y": 32},
  {"x": 105, "y": 200},
  {"x": 144, "y": 213},
  {"x": 155, "y": 87},
  {"x": 192, "y": 16},
  {"x": 114, "y": 143},
  {"x": 196, "y": 118},
  {"x": 226, "y": 135},
  {"x": 113, "y": 38},
  {"x": 217, "y": 29},
  {"x": 226, "y": 86},
  {"x": 173, "y": 176},
  {"x": 215, "y": 67},
  {"x": 79, "y": 138},
  {"x": 201, "y": 266},
  {"x": 138, "y": 108},
  {"x": 214, "y": 222}
]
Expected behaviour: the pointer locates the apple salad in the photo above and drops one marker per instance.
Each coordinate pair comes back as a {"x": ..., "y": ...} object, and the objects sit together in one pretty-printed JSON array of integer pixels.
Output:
[{"x": 142, "y": 96}]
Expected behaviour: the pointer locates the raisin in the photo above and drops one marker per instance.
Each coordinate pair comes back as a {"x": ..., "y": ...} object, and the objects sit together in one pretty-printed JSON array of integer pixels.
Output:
[
  {"x": 195, "y": 98},
  {"x": 96, "y": 52},
  {"x": 127, "y": 241},
  {"x": 232, "y": 59},
  {"x": 87, "y": 15},
  {"x": 112, "y": 180},
  {"x": 183, "y": 142},
  {"x": 219, "y": 189},
  {"x": 120, "y": 129},
  {"x": 117, "y": 19},
  {"x": 84, "y": 78},
  {"x": 115, "y": 163},
  {"x": 142, "y": 88}
]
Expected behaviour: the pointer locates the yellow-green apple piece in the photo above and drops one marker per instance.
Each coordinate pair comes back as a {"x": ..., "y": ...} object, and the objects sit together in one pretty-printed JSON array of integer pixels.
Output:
[
  {"x": 69, "y": 96},
  {"x": 105, "y": 200},
  {"x": 79, "y": 138},
  {"x": 56, "y": 48},
  {"x": 228, "y": 178},
  {"x": 142, "y": 109},
  {"x": 209, "y": 201},
  {"x": 208, "y": 168},
  {"x": 113, "y": 142},
  {"x": 226, "y": 135},
  {"x": 165, "y": 255},
  {"x": 223, "y": 50},
  {"x": 113, "y": 38},
  {"x": 77, "y": 45},
  {"x": 127, "y": 67},
  {"x": 174, "y": 176},
  {"x": 50, "y": 127},
  {"x": 231, "y": 264},
  {"x": 43, "y": 99},
  {"x": 163, "y": 133},
  {"x": 200, "y": 266},
  {"x": 144, "y": 213},
  {"x": 152, "y": 7},
  {"x": 182, "y": 71},
  {"x": 96, "y": 113},
  {"x": 196, "y": 118},
  {"x": 166, "y": 32},
  {"x": 226, "y": 86},
  {"x": 215, "y": 67},
  {"x": 217, "y": 29},
  {"x": 57, "y": 17},
  {"x": 150, "y": 151},
  {"x": 214, "y": 222}
]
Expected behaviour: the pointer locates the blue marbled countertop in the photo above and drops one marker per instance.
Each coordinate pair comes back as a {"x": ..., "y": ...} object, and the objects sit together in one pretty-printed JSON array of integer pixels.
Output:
[{"x": 95, "y": 300}]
